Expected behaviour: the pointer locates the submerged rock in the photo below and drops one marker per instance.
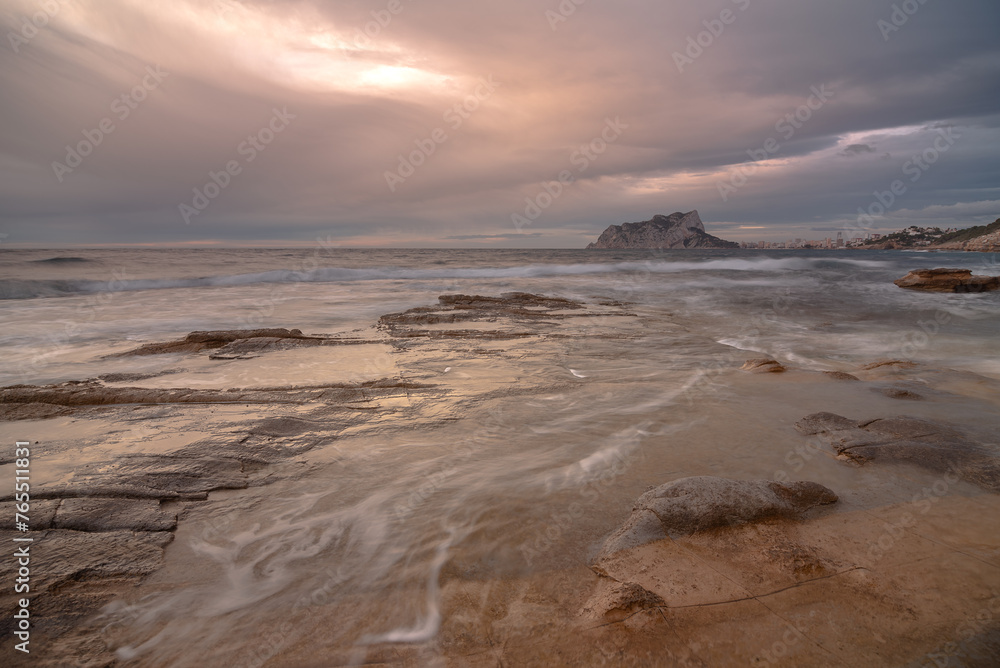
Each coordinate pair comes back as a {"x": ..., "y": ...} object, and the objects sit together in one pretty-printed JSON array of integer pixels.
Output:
[
  {"x": 700, "y": 503},
  {"x": 762, "y": 365},
  {"x": 614, "y": 600},
  {"x": 899, "y": 393},
  {"x": 840, "y": 375},
  {"x": 902, "y": 364},
  {"x": 948, "y": 280},
  {"x": 931, "y": 445}
]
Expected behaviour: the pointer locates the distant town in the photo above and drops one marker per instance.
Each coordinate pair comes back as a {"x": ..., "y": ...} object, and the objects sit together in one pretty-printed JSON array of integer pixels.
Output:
[
  {"x": 911, "y": 237},
  {"x": 828, "y": 243}
]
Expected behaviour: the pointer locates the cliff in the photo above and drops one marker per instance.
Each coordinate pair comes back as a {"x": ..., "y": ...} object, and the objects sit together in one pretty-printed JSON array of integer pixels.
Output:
[{"x": 678, "y": 230}]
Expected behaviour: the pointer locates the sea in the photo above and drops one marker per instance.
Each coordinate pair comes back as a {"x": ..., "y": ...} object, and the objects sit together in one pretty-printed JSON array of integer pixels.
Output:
[
  {"x": 529, "y": 452},
  {"x": 64, "y": 310}
]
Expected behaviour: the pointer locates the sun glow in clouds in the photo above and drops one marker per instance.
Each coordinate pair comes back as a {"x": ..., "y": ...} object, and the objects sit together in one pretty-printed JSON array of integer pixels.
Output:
[{"x": 301, "y": 49}]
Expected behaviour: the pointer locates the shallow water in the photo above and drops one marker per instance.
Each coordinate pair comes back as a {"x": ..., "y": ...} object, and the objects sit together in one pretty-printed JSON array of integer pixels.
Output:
[{"x": 527, "y": 453}]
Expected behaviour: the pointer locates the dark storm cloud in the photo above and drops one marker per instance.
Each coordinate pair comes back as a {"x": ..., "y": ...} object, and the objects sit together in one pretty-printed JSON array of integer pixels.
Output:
[
  {"x": 493, "y": 100},
  {"x": 855, "y": 149}
]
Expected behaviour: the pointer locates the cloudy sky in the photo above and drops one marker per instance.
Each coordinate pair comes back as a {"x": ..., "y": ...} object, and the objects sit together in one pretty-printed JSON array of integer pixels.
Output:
[{"x": 523, "y": 123}]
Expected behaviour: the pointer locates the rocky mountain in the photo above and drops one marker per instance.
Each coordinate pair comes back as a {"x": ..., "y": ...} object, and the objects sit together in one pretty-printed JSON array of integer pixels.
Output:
[{"x": 678, "y": 230}]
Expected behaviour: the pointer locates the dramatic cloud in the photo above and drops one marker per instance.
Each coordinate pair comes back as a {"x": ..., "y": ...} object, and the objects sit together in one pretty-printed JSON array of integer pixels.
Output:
[{"x": 525, "y": 124}]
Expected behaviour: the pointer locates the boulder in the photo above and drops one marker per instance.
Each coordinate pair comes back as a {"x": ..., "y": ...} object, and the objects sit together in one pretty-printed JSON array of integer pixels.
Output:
[
  {"x": 930, "y": 445},
  {"x": 948, "y": 280},
  {"x": 840, "y": 375},
  {"x": 614, "y": 601},
  {"x": 701, "y": 503},
  {"x": 762, "y": 365},
  {"x": 899, "y": 393}
]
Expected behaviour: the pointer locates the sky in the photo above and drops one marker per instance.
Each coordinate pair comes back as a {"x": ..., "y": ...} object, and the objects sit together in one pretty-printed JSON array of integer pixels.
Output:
[{"x": 518, "y": 124}]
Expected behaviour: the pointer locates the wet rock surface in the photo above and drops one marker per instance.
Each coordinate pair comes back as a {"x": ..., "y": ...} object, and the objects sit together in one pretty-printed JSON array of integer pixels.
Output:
[
  {"x": 152, "y": 477},
  {"x": 840, "y": 375},
  {"x": 105, "y": 519},
  {"x": 512, "y": 315},
  {"x": 948, "y": 280},
  {"x": 74, "y": 573},
  {"x": 899, "y": 393},
  {"x": 701, "y": 503},
  {"x": 762, "y": 365},
  {"x": 722, "y": 588},
  {"x": 97, "y": 514},
  {"x": 931, "y": 445},
  {"x": 207, "y": 340},
  {"x": 615, "y": 601},
  {"x": 40, "y": 401},
  {"x": 238, "y": 343}
]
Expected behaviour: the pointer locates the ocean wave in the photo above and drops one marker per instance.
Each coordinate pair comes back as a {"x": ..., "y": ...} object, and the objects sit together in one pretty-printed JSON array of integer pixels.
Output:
[
  {"x": 63, "y": 260},
  {"x": 31, "y": 289}
]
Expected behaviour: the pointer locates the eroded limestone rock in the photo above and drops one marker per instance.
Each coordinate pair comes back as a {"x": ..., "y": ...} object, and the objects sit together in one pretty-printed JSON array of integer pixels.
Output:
[
  {"x": 948, "y": 280},
  {"x": 935, "y": 446},
  {"x": 701, "y": 503},
  {"x": 762, "y": 365}
]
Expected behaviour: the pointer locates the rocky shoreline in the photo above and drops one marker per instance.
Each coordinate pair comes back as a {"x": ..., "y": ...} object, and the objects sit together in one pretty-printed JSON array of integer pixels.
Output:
[{"x": 697, "y": 573}]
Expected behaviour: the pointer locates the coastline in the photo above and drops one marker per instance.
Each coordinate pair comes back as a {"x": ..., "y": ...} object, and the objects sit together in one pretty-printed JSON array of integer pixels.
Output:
[{"x": 437, "y": 485}]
